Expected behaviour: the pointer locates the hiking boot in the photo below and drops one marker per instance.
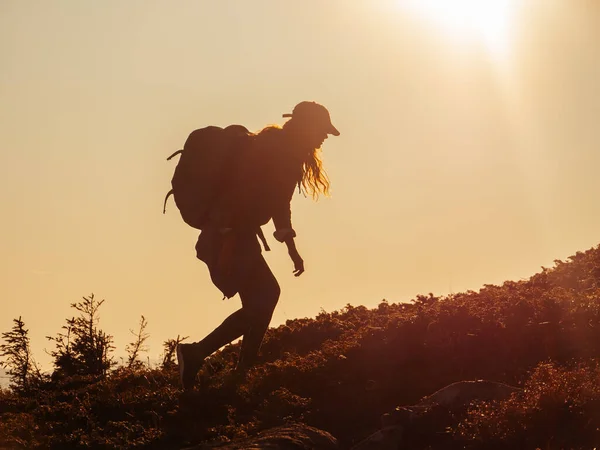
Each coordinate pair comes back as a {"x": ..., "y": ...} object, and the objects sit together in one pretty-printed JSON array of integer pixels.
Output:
[{"x": 189, "y": 358}]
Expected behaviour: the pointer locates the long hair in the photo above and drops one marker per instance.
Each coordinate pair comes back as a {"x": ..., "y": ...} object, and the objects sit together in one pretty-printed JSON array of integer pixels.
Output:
[{"x": 313, "y": 179}]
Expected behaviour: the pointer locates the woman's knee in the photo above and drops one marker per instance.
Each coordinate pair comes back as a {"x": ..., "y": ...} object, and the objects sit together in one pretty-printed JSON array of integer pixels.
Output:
[
  {"x": 260, "y": 305},
  {"x": 261, "y": 287},
  {"x": 263, "y": 306},
  {"x": 274, "y": 292},
  {"x": 271, "y": 297}
]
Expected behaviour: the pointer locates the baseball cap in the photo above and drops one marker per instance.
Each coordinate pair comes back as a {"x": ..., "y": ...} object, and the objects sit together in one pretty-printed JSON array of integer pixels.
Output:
[{"x": 315, "y": 113}]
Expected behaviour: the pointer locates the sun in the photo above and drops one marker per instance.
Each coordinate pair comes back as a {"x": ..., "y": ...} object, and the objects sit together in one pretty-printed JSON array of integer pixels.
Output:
[{"x": 488, "y": 20}]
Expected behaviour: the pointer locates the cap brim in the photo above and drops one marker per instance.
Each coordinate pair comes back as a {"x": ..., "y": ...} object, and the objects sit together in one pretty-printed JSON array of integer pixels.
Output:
[{"x": 333, "y": 130}]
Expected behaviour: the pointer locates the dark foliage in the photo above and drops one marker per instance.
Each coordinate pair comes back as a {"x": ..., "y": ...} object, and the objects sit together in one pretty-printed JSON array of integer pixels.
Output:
[
  {"x": 340, "y": 371},
  {"x": 558, "y": 408},
  {"x": 137, "y": 346},
  {"x": 82, "y": 348},
  {"x": 169, "y": 347},
  {"x": 17, "y": 359}
]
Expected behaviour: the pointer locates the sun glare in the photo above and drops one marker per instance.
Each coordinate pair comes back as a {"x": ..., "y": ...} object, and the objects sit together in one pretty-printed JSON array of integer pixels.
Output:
[{"x": 488, "y": 20}]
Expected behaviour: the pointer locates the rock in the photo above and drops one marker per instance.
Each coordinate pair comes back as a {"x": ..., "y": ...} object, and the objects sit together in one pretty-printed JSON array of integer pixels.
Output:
[
  {"x": 462, "y": 393},
  {"x": 388, "y": 438},
  {"x": 287, "y": 437},
  {"x": 427, "y": 421}
]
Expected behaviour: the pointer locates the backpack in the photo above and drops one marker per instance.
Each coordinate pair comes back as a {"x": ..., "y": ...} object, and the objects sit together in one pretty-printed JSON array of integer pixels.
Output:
[{"x": 199, "y": 176}]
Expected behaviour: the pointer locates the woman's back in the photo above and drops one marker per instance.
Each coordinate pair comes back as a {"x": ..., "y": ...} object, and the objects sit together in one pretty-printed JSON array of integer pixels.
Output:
[{"x": 261, "y": 181}]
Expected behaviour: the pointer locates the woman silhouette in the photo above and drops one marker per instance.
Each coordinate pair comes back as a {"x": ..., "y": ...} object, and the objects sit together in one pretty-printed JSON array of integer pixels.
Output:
[{"x": 266, "y": 174}]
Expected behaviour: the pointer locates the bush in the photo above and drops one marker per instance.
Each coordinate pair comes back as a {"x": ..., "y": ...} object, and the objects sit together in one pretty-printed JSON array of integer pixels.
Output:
[
  {"x": 340, "y": 372},
  {"x": 558, "y": 408}
]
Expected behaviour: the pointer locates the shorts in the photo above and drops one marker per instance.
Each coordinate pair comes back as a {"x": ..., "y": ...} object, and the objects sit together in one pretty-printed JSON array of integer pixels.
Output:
[{"x": 246, "y": 252}]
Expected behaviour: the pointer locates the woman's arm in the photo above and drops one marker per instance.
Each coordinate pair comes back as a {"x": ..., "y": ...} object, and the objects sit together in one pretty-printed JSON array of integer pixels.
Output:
[
  {"x": 282, "y": 219},
  {"x": 293, "y": 252}
]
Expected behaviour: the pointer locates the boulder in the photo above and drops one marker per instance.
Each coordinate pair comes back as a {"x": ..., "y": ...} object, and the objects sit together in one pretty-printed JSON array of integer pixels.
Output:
[
  {"x": 462, "y": 393},
  {"x": 287, "y": 437},
  {"x": 426, "y": 422}
]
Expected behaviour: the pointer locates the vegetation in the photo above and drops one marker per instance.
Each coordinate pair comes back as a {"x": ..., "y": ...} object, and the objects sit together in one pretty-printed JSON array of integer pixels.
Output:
[
  {"x": 338, "y": 372},
  {"x": 17, "y": 357},
  {"x": 82, "y": 348}
]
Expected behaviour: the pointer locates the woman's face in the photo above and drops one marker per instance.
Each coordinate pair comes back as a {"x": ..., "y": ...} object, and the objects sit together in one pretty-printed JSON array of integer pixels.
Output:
[
  {"x": 314, "y": 137},
  {"x": 306, "y": 136}
]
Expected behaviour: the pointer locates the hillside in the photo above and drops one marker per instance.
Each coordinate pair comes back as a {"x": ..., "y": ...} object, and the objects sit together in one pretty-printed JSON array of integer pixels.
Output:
[{"x": 342, "y": 370}]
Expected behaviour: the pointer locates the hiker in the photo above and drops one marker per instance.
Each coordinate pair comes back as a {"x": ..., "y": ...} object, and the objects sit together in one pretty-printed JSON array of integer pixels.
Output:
[{"x": 266, "y": 176}]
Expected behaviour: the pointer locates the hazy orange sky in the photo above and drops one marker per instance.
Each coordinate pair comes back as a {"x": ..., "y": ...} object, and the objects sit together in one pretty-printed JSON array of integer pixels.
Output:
[{"x": 459, "y": 163}]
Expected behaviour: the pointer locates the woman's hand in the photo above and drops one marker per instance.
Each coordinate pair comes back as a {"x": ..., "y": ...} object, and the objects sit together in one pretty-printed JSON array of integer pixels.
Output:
[
  {"x": 297, "y": 260},
  {"x": 298, "y": 264}
]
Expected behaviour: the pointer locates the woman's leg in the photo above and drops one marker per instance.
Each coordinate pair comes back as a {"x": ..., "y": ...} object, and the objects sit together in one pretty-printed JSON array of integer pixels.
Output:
[
  {"x": 191, "y": 356},
  {"x": 259, "y": 295},
  {"x": 259, "y": 292},
  {"x": 232, "y": 328}
]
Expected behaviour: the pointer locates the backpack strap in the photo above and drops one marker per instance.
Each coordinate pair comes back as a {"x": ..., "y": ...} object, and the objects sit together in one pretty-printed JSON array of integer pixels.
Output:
[
  {"x": 167, "y": 198},
  {"x": 261, "y": 236},
  {"x": 178, "y": 152},
  {"x": 175, "y": 154}
]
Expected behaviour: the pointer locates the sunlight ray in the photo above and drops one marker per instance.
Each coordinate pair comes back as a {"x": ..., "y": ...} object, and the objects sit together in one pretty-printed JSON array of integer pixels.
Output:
[{"x": 489, "y": 21}]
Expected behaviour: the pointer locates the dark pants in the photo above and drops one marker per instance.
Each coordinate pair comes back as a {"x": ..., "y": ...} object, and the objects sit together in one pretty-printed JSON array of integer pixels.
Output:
[{"x": 246, "y": 272}]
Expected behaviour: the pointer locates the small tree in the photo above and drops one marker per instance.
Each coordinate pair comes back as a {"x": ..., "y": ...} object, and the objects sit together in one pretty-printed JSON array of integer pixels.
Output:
[
  {"x": 83, "y": 349},
  {"x": 170, "y": 345},
  {"x": 19, "y": 363},
  {"x": 137, "y": 346},
  {"x": 64, "y": 360}
]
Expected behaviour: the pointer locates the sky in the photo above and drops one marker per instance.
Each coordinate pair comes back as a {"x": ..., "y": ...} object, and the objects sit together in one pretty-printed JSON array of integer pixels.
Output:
[{"x": 468, "y": 152}]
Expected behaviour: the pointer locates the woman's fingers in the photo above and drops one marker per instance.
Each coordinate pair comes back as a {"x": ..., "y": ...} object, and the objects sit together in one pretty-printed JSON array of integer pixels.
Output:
[{"x": 298, "y": 267}]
